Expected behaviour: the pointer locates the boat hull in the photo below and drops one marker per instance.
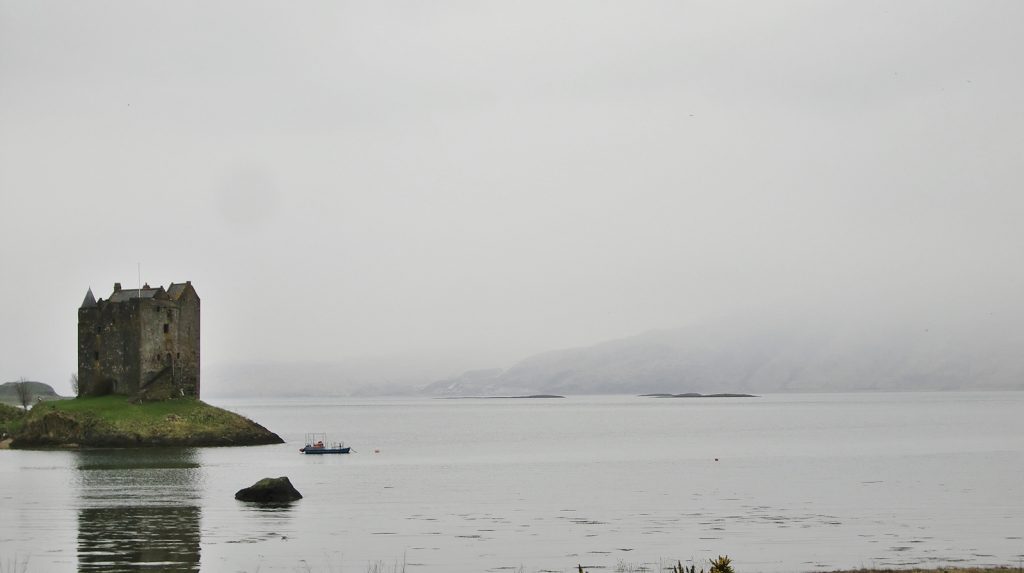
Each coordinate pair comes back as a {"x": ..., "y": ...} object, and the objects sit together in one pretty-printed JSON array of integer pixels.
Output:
[{"x": 320, "y": 451}]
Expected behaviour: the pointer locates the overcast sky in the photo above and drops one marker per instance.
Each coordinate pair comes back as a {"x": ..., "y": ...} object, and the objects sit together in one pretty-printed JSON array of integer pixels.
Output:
[{"x": 484, "y": 180}]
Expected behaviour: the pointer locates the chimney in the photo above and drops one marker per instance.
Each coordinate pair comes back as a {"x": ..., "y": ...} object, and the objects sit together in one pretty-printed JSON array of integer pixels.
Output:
[
  {"x": 117, "y": 287},
  {"x": 145, "y": 285}
]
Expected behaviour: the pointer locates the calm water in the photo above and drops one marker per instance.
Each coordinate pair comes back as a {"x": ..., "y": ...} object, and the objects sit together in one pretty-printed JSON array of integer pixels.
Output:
[{"x": 802, "y": 483}]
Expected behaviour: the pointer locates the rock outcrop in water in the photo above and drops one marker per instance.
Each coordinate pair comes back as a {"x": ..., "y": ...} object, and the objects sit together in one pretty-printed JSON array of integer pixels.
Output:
[{"x": 269, "y": 490}]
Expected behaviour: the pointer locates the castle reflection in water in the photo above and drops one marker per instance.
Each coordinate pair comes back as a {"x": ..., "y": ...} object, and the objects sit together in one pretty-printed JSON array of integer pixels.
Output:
[
  {"x": 133, "y": 538},
  {"x": 139, "y": 509}
]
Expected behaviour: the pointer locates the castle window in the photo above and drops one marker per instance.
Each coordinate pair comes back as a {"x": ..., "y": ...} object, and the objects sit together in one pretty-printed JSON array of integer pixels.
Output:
[
  {"x": 167, "y": 328},
  {"x": 99, "y": 329},
  {"x": 179, "y": 356},
  {"x": 95, "y": 354}
]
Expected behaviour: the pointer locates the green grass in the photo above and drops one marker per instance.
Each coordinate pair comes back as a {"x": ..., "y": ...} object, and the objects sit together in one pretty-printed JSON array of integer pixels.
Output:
[
  {"x": 118, "y": 409},
  {"x": 113, "y": 419}
]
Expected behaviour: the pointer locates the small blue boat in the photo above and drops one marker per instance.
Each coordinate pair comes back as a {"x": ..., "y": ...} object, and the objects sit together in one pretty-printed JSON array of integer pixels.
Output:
[{"x": 316, "y": 443}]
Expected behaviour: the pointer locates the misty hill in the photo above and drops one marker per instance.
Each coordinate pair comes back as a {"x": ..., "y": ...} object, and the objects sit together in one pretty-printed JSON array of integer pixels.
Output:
[
  {"x": 9, "y": 393},
  {"x": 363, "y": 376},
  {"x": 780, "y": 355}
]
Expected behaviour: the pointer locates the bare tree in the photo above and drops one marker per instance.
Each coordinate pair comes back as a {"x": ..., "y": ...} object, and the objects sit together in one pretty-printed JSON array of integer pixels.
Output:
[
  {"x": 74, "y": 385},
  {"x": 24, "y": 393}
]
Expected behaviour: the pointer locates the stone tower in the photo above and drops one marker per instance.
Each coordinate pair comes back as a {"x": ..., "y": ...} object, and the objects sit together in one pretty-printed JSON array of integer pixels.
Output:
[{"x": 140, "y": 341}]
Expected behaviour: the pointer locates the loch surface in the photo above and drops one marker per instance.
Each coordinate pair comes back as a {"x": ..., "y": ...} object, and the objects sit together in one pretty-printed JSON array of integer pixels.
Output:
[{"x": 779, "y": 483}]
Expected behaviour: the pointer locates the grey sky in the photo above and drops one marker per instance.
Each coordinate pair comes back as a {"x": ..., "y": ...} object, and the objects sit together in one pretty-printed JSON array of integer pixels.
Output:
[{"x": 480, "y": 181}]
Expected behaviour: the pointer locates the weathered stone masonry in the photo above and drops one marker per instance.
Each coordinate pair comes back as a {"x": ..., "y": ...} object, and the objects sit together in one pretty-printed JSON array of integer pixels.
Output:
[{"x": 139, "y": 340}]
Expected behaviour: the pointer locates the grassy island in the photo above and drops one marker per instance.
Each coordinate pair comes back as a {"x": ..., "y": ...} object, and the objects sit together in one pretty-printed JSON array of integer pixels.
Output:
[{"x": 113, "y": 421}]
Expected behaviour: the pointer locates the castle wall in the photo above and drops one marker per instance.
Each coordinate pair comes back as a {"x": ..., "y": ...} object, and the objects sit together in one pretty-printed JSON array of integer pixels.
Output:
[
  {"x": 157, "y": 347},
  {"x": 122, "y": 346},
  {"x": 88, "y": 318},
  {"x": 187, "y": 365},
  {"x": 108, "y": 348}
]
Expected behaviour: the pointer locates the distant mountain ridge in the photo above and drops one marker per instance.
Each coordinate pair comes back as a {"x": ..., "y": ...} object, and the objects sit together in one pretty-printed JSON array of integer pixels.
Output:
[
  {"x": 775, "y": 356},
  {"x": 813, "y": 352}
]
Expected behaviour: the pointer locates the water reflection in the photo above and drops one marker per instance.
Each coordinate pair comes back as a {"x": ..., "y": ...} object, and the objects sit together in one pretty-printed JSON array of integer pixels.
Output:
[
  {"x": 131, "y": 538},
  {"x": 139, "y": 509}
]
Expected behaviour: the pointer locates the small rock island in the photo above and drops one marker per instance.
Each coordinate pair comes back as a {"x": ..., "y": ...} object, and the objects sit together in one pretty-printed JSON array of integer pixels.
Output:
[
  {"x": 528, "y": 397},
  {"x": 270, "y": 490},
  {"x": 138, "y": 380},
  {"x": 697, "y": 395}
]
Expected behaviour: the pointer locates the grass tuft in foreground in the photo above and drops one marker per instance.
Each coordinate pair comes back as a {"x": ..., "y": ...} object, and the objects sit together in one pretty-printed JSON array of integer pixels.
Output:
[{"x": 724, "y": 565}]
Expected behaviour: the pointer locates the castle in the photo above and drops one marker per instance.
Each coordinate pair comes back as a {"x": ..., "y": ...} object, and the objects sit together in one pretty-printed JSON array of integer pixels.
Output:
[{"x": 140, "y": 342}]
